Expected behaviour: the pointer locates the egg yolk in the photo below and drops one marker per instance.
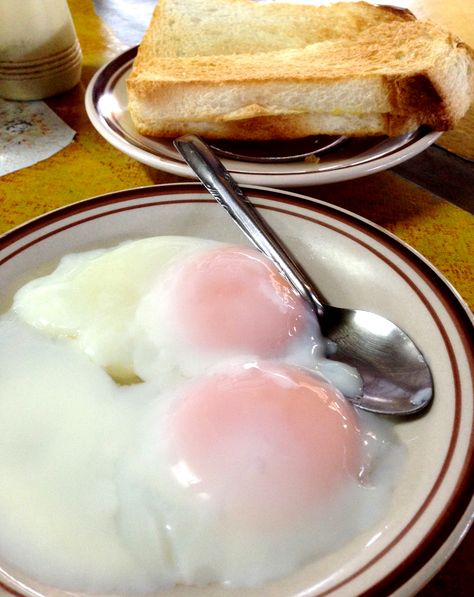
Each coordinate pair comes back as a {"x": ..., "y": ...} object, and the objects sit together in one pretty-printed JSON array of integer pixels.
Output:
[
  {"x": 265, "y": 442},
  {"x": 235, "y": 299}
]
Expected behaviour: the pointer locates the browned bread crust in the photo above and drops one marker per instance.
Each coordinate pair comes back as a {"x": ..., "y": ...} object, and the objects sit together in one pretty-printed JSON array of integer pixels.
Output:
[{"x": 385, "y": 73}]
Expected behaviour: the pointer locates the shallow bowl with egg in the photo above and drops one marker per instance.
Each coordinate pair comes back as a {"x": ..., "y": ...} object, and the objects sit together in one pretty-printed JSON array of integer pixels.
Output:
[{"x": 107, "y": 490}]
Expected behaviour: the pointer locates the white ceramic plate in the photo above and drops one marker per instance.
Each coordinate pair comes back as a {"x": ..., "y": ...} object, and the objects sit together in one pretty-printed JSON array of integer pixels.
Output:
[
  {"x": 355, "y": 264},
  {"x": 106, "y": 106}
]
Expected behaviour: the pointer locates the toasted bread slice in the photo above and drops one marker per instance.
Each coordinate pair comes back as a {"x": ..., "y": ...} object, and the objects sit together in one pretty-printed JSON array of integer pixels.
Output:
[
  {"x": 388, "y": 74},
  {"x": 221, "y": 27}
]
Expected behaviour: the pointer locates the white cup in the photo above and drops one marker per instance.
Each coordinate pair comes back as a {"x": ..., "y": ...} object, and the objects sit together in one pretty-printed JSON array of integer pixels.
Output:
[{"x": 40, "y": 55}]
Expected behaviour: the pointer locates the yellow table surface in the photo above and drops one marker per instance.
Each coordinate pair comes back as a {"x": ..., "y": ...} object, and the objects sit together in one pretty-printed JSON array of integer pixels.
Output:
[
  {"x": 438, "y": 229},
  {"x": 442, "y": 232}
]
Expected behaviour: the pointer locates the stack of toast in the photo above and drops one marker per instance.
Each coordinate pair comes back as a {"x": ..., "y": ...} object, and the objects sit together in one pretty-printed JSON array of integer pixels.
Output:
[{"x": 238, "y": 69}]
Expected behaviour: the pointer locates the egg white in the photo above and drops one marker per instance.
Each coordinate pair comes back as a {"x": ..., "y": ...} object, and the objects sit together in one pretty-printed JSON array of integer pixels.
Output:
[
  {"x": 88, "y": 498},
  {"x": 92, "y": 297},
  {"x": 117, "y": 304},
  {"x": 205, "y": 545}
]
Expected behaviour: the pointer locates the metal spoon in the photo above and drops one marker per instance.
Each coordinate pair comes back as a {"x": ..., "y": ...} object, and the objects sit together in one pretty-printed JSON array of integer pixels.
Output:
[{"x": 396, "y": 378}]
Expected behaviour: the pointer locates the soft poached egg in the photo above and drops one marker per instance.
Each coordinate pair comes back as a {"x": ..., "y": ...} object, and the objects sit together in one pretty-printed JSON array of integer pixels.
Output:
[
  {"x": 232, "y": 458},
  {"x": 171, "y": 307}
]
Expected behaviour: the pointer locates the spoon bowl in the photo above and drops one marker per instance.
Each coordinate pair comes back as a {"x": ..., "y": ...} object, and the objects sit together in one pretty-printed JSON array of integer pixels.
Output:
[{"x": 396, "y": 378}]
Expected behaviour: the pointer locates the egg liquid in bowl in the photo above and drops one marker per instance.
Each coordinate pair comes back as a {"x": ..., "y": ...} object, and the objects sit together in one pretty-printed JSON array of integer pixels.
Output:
[
  {"x": 169, "y": 421},
  {"x": 200, "y": 439}
]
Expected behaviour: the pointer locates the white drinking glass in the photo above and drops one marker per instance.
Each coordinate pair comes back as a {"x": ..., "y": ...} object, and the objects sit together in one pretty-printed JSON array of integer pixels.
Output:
[{"x": 40, "y": 55}]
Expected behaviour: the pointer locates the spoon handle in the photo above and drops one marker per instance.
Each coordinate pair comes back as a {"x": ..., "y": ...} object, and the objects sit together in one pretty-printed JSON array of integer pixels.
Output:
[{"x": 225, "y": 190}]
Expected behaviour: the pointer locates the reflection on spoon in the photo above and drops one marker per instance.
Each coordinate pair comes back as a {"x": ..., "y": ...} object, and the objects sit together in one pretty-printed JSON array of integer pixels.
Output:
[{"x": 396, "y": 377}]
